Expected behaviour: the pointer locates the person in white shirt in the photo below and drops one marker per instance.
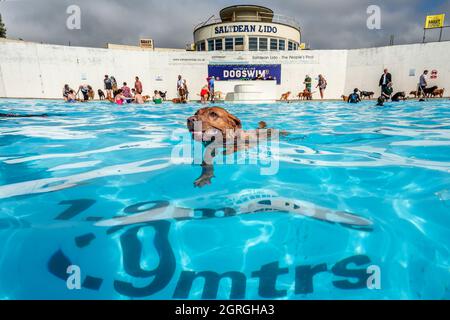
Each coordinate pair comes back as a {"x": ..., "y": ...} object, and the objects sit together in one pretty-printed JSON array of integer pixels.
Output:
[
  {"x": 180, "y": 85},
  {"x": 423, "y": 82}
]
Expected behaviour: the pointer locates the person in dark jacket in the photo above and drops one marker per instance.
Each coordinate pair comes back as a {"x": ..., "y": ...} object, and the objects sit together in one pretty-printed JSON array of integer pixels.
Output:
[{"x": 385, "y": 79}]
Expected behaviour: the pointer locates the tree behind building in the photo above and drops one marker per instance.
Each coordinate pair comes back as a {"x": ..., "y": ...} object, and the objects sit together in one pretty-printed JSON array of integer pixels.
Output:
[{"x": 2, "y": 28}]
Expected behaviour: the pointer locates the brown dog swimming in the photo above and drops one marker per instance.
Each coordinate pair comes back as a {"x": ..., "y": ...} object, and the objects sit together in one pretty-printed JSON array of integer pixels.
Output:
[{"x": 217, "y": 128}]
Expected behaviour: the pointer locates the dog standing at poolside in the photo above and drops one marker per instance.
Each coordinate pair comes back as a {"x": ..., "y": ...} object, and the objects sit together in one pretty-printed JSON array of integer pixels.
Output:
[
  {"x": 218, "y": 95},
  {"x": 91, "y": 93},
  {"x": 414, "y": 93},
  {"x": 427, "y": 92},
  {"x": 367, "y": 94},
  {"x": 285, "y": 96},
  {"x": 182, "y": 96},
  {"x": 305, "y": 95},
  {"x": 163, "y": 95},
  {"x": 438, "y": 93},
  {"x": 101, "y": 94}
]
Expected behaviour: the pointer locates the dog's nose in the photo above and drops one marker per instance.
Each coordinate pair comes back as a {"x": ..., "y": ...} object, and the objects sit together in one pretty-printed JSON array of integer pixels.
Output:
[{"x": 191, "y": 119}]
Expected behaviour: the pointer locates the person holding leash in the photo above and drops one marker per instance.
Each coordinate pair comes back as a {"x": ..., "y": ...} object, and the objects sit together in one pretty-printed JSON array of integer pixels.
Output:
[
  {"x": 322, "y": 85},
  {"x": 423, "y": 83}
]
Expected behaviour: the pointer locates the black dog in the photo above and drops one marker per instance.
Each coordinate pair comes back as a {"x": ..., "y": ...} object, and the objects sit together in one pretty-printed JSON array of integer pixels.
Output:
[
  {"x": 367, "y": 94},
  {"x": 163, "y": 95},
  {"x": 429, "y": 91},
  {"x": 399, "y": 96},
  {"x": 101, "y": 94}
]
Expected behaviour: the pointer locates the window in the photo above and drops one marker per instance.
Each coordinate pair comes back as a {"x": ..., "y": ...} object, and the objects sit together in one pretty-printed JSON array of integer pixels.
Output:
[
  {"x": 253, "y": 44},
  {"x": 263, "y": 44},
  {"x": 273, "y": 44},
  {"x": 201, "y": 46},
  {"x": 210, "y": 45},
  {"x": 295, "y": 46},
  {"x": 238, "y": 41},
  {"x": 219, "y": 44},
  {"x": 229, "y": 44},
  {"x": 281, "y": 45},
  {"x": 238, "y": 44},
  {"x": 290, "y": 46}
]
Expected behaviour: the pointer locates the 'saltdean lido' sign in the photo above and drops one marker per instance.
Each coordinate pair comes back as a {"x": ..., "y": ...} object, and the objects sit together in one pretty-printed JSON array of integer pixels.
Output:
[{"x": 245, "y": 28}]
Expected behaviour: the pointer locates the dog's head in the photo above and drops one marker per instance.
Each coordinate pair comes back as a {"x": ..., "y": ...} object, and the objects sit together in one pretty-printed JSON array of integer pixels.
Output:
[{"x": 210, "y": 122}]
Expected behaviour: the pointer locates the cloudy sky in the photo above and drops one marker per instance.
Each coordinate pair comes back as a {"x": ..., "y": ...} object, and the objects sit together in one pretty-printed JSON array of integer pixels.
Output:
[{"x": 326, "y": 24}]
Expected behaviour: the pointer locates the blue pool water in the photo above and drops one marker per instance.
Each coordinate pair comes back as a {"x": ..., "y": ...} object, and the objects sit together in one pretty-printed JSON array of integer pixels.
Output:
[{"x": 100, "y": 187}]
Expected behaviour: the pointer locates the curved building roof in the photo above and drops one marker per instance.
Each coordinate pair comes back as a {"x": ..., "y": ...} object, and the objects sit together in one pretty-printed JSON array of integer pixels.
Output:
[{"x": 246, "y": 13}]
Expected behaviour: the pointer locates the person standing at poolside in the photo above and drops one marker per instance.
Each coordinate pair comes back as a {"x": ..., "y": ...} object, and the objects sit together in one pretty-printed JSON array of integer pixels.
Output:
[
  {"x": 185, "y": 87},
  {"x": 115, "y": 88},
  {"x": 66, "y": 91},
  {"x": 108, "y": 87},
  {"x": 204, "y": 94},
  {"x": 423, "y": 83},
  {"x": 211, "y": 81},
  {"x": 84, "y": 91},
  {"x": 138, "y": 85},
  {"x": 322, "y": 85},
  {"x": 385, "y": 79},
  {"x": 179, "y": 85},
  {"x": 308, "y": 83}
]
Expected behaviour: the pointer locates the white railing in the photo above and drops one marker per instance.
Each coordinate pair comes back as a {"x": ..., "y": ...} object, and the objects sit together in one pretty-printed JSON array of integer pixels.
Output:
[{"x": 259, "y": 17}]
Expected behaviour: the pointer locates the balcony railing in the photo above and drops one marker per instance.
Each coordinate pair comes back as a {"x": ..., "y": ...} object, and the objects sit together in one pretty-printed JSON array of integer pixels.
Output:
[{"x": 258, "y": 17}]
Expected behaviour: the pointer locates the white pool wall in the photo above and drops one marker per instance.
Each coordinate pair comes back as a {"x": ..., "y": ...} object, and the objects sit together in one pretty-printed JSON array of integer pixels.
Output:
[{"x": 32, "y": 70}]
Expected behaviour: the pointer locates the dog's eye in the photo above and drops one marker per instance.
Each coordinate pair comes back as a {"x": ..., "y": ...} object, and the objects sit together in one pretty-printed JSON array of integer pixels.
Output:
[{"x": 213, "y": 114}]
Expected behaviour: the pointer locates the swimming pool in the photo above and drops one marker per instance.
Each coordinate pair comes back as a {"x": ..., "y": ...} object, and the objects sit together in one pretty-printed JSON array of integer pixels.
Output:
[{"x": 102, "y": 190}]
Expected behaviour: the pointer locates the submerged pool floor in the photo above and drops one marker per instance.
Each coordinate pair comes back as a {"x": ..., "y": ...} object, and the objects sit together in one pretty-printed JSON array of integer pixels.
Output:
[{"x": 97, "y": 202}]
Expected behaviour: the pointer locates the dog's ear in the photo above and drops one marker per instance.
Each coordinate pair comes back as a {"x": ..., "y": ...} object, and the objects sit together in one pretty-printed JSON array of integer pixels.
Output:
[{"x": 236, "y": 121}]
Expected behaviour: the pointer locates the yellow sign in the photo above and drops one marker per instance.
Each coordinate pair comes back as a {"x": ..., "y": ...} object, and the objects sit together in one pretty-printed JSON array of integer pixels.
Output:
[
  {"x": 302, "y": 46},
  {"x": 146, "y": 43},
  {"x": 436, "y": 21}
]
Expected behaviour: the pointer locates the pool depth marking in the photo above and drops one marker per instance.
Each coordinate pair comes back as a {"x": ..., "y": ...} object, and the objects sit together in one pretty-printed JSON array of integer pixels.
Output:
[{"x": 163, "y": 210}]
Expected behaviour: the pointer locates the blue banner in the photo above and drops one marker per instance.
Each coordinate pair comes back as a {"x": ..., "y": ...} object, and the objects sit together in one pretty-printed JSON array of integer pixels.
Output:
[{"x": 246, "y": 72}]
